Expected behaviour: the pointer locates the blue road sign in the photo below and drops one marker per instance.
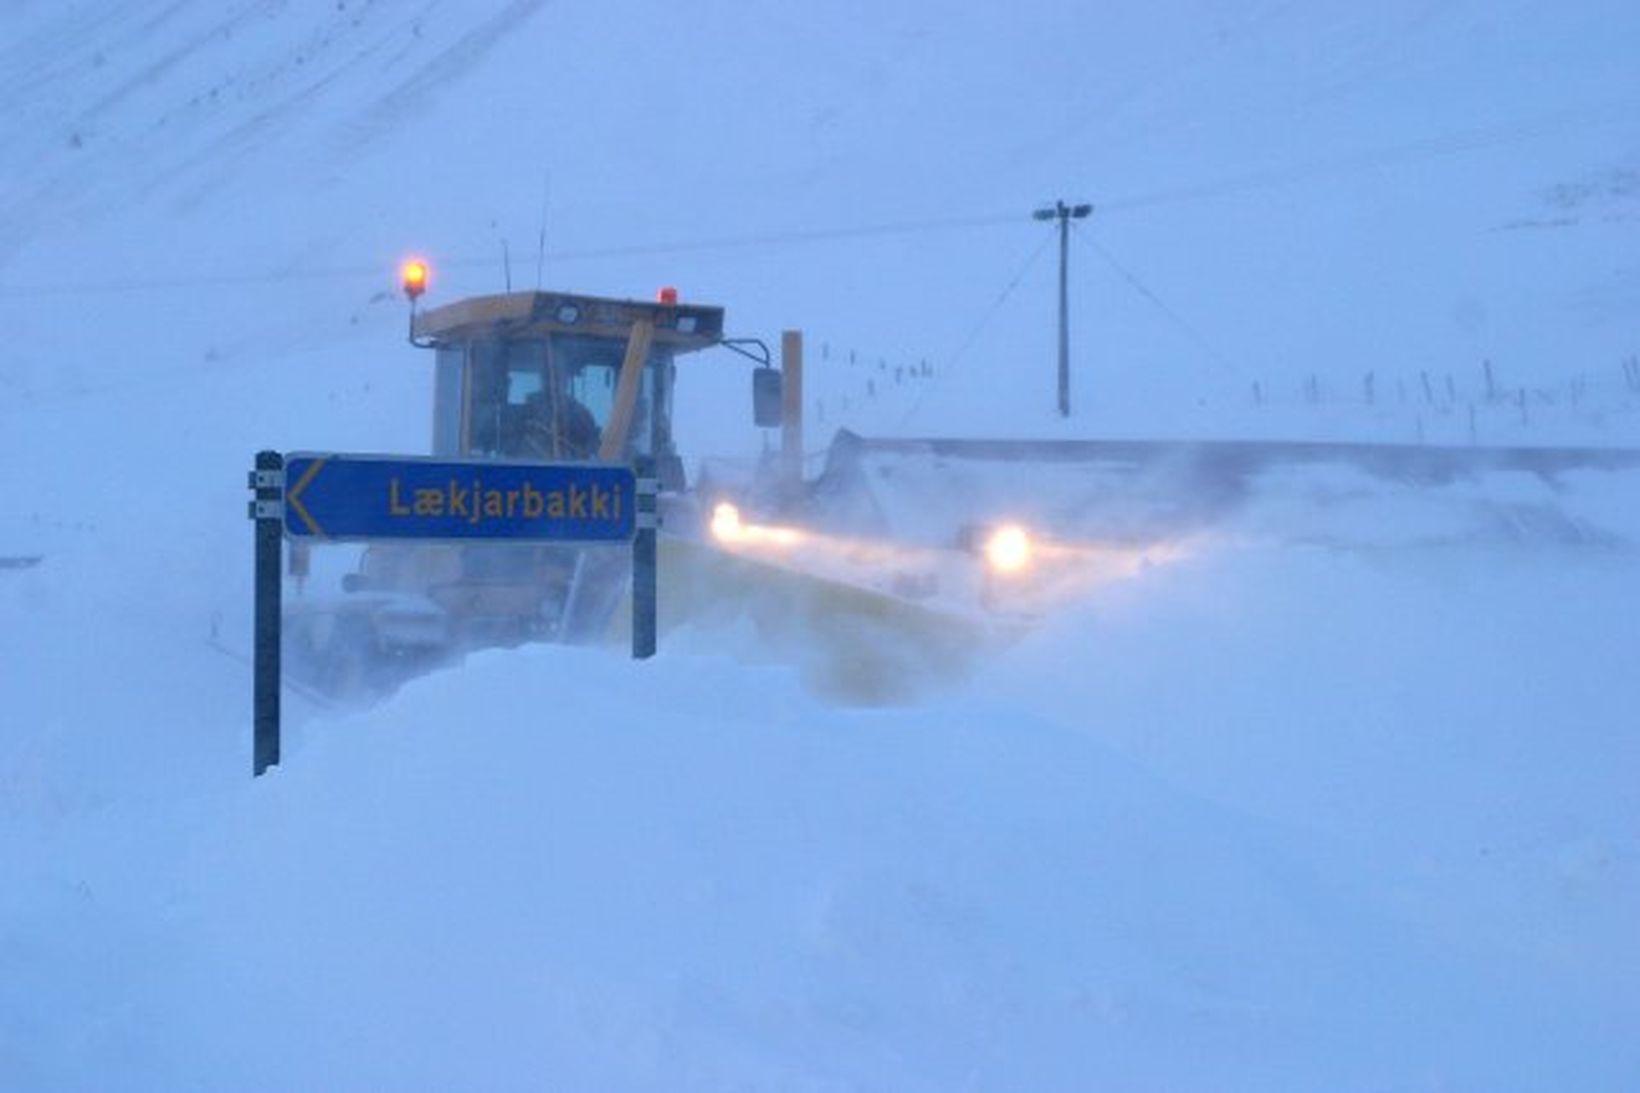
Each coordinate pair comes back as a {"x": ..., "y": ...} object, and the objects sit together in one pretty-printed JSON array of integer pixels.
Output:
[{"x": 357, "y": 497}]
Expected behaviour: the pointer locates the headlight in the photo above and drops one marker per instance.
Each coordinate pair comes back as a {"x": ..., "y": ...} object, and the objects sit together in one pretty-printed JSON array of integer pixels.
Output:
[
  {"x": 726, "y": 524},
  {"x": 728, "y": 528},
  {"x": 1008, "y": 550}
]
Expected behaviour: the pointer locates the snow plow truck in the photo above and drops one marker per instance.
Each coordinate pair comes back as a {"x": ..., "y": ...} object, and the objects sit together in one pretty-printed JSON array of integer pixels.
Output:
[{"x": 900, "y": 563}]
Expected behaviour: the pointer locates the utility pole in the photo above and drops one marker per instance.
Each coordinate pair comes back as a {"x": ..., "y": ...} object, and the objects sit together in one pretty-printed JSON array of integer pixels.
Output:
[{"x": 1064, "y": 214}]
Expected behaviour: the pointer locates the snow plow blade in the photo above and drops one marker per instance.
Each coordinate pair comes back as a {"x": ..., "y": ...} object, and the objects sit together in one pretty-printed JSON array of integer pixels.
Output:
[
  {"x": 876, "y": 578},
  {"x": 851, "y": 643}
]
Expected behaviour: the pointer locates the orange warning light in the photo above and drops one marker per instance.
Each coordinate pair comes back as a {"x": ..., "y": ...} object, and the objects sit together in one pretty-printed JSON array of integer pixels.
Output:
[
  {"x": 413, "y": 275},
  {"x": 668, "y": 296}
]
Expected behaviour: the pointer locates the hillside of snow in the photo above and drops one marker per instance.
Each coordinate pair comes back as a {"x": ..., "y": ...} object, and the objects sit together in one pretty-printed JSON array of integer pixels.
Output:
[{"x": 1340, "y": 796}]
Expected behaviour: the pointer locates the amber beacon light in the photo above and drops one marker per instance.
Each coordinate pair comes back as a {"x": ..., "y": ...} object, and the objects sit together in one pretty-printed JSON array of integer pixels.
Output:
[{"x": 413, "y": 276}]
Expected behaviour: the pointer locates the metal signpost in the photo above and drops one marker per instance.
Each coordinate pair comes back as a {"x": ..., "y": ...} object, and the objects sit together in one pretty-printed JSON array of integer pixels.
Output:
[
  {"x": 308, "y": 497},
  {"x": 268, "y": 483}
]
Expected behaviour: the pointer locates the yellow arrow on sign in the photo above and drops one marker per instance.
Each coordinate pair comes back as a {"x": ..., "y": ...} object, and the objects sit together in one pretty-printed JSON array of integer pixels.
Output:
[{"x": 293, "y": 498}]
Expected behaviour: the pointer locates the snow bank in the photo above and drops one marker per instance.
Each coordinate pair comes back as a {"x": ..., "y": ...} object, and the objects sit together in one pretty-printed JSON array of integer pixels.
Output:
[{"x": 1210, "y": 835}]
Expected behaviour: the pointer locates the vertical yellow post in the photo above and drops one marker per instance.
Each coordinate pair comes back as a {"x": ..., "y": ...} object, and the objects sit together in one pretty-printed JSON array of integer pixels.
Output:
[
  {"x": 791, "y": 408},
  {"x": 626, "y": 391}
]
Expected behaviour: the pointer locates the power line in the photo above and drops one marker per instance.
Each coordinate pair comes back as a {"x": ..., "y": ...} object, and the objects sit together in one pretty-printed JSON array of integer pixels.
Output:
[
  {"x": 192, "y": 281},
  {"x": 979, "y": 326},
  {"x": 1187, "y": 328},
  {"x": 1449, "y": 144},
  {"x": 685, "y": 246},
  {"x": 800, "y": 235}
]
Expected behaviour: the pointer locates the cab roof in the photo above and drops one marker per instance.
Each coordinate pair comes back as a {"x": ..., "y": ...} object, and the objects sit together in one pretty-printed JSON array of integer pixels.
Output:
[{"x": 684, "y": 327}]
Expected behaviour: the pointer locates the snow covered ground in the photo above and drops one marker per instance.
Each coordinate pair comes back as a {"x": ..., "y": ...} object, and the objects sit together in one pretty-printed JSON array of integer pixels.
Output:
[
  {"x": 1344, "y": 798},
  {"x": 1204, "y": 835}
]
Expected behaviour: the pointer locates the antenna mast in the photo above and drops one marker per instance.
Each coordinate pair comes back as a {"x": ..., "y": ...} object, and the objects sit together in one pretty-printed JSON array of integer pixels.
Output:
[{"x": 541, "y": 240}]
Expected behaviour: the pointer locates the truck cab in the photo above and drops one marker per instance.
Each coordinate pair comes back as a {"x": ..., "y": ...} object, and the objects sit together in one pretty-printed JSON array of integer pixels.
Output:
[{"x": 561, "y": 377}]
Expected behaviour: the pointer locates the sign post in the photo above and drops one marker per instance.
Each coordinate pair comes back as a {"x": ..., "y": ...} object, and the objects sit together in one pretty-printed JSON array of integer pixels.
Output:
[
  {"x": 268, "y": 483},
  {"x": 308, "y": 497},
  {"x": 644, "y": 562}
]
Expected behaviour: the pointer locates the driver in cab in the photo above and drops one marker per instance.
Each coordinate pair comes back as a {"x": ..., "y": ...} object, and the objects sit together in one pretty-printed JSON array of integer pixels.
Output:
[{"x": 557, "y": 425}]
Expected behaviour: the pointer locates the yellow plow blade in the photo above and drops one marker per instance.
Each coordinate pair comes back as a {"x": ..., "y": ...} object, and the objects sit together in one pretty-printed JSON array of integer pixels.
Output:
[{"x": 852, "y": 644}]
